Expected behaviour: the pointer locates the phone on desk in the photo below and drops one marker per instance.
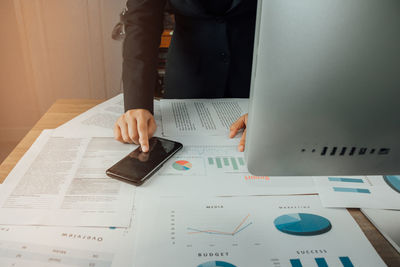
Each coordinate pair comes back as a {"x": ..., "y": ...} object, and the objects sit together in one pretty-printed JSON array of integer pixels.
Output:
[{"x": 139, "y": 166}]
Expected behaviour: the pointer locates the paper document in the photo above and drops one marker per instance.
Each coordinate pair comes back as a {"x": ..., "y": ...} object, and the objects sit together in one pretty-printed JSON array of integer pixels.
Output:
[
  {"x": 213, "y": 166},
  {"x": 249, "y": 231},
  {"x": 62, "y": 246},
  {"x": 387, "y": 222},
  {"x": 201, "y": 116},
  {"x": 62, "y": 181},
  {"x": 374, "y": 192},
  {"x": 99, "y": 121}
]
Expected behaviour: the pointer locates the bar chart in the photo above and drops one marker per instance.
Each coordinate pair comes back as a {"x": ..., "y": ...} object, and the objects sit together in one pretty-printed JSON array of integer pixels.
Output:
[
  {"x": 323, "y": 262},
  {"x": 345, "y": 180},
  {"x": 227, "y": 164},
  {"x": 351, "y": 190},
  {"x": 348, "y": 185},
  {"x": 374, "y": 192}
]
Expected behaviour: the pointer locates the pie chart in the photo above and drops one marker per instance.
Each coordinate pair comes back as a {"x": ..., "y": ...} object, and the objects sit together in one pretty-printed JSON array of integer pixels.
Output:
[
  {"x": 393, "y": 181},
  {"x": 216, "y": 264},
  {"x": 182, "y": 165},
  {"x": 303, "y": 224}
]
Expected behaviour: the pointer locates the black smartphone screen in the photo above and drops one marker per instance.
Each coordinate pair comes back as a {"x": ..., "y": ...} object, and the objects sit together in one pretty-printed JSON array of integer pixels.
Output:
[{"x": 138, "y": 166}]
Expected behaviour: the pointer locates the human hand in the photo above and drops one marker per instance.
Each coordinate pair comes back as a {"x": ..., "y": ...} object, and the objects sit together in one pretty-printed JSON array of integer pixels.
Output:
[
  {"x": 135, "y": 126},
  {"x": 241, "y": 123}
]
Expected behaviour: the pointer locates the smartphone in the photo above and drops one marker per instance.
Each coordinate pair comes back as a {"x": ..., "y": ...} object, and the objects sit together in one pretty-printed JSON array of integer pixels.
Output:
[{"x": 139, "y": 166}]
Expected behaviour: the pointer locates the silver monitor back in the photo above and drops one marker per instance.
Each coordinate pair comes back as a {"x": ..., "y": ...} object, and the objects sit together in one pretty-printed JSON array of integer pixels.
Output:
[{"x": 325, "y": 92}]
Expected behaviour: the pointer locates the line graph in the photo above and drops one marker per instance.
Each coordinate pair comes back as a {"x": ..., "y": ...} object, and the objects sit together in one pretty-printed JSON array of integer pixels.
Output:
[{"x": 243, "y": 225}]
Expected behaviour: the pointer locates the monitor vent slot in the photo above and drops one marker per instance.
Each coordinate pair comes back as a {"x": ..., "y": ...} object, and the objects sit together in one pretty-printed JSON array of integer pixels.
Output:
[
  {"x": 384, "y": 151},
  {"x": 362, "y": 151},
  {"x": 347, "y": 151}
]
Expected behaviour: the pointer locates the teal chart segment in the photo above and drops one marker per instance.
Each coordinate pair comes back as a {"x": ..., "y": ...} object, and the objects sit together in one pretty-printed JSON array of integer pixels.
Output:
[
  {"x": 216, "y": 264},
  {"x": 302, "y": 224},
  {"x": 393, "y": 181},
  {"x": 345, "y": 180}
]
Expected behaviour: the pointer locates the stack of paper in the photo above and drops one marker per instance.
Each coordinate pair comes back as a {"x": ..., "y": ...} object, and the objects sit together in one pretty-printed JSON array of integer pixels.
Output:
[
  {"x": 61, "y": 181},
  {"x": 379, "y": 196},
  {"x": 58, "y": 208}
]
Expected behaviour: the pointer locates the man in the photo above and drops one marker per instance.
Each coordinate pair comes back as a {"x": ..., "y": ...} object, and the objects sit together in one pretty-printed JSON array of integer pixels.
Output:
[{"x": 210, "y": 56}]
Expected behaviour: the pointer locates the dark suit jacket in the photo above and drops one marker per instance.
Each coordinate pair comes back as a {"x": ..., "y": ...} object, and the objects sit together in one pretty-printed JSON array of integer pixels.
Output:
[{"x": 210, "y": 55}]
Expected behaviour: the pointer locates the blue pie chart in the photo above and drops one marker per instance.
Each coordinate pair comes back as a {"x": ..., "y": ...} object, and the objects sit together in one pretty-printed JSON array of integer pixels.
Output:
[
  {"x": 303, "y": 224},
  {"x": 216, "y": 264},
  {"x": 393, "y": 181}
]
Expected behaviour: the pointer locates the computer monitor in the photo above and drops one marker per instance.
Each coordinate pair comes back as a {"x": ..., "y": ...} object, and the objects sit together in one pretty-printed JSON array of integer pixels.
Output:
[{"x": 325, "y": 91}]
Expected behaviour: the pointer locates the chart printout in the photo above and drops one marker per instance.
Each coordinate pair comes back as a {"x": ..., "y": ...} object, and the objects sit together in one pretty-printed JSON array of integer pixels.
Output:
[
  {"x": 249, "y": 231},
  {"x": 376, "y": 192},
  {"x": 214, "y": 166},
  {"x": 201, "y": 116}
]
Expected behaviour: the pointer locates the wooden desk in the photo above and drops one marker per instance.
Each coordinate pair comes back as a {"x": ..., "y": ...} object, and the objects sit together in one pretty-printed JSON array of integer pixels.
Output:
[{"x": 65, "y": 109}]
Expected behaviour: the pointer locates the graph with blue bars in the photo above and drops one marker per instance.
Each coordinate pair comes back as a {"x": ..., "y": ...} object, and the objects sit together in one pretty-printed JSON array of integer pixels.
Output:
[
  {"x": 350, "y": 185},
  {"x": 227, "y": 163},
  {"x": 322, "y": 262},
  {"x": 351, "y": 190},
  {"x": 346, "y": 180}
]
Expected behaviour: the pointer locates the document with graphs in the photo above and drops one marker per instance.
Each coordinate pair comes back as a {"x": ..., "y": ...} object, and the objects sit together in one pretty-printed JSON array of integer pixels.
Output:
[
  {"x": 213, "y": 166},
  {"x": 249, "y": 231},
  {"x": 62, "y": 181},
  {"x": 375, "y": 192},
  {"x": 201, "y": 116}
]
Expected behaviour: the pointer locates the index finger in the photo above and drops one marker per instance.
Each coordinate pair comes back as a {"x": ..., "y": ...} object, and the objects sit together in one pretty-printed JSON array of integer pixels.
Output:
[{"x": 143, "y": 134}]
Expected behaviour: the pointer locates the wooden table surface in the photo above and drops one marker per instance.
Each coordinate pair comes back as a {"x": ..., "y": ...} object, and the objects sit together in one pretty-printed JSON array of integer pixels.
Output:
[{"x": 65, "y": 109}]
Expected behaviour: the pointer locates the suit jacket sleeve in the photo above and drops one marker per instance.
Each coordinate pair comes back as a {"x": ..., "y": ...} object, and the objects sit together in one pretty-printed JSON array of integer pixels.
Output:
[{"x": 144, "y": 26}]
